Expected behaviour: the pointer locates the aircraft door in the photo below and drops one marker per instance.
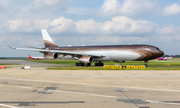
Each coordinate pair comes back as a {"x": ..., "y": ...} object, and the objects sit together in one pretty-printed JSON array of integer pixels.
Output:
[{"x": 144, "y": 48}]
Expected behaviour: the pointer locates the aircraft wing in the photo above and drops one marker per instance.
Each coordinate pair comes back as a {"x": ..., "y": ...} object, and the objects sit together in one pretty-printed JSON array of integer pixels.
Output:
[{"x": 58, "y": 51}]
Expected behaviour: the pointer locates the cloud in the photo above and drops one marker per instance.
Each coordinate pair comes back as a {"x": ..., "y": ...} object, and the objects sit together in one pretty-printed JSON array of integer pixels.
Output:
[
  {"x": 119, "y": 25},
  {"x": 87, "y": 26},
  {"x": 169, "y": 29},
  {"x": 62, "y": 24},
  {"x": 52, "y": 6},
  {"x": 172, "y": 9},
  {"x": 125, "y": 25},
  {"x": 126, "y": 7},
  {"x": 23, "y": 25},
  {"x": 4, "y": 3},
  {"x": 5, "y": 6}
]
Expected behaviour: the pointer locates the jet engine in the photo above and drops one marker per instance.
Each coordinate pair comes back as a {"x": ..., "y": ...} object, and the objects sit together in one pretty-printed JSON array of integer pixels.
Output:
[
  {"x": 86, "y": 59},
  {"x": 50, "y": 55},
  {"x": 119, "y": 61}
]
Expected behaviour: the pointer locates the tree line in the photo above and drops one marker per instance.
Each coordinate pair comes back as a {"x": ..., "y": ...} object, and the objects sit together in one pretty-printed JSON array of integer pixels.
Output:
[{"x": 174, "y": 56}]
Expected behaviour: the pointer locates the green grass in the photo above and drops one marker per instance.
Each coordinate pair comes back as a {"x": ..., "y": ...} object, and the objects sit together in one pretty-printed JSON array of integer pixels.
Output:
[
  {"x": 8, "y": 67},
  {"x": 8, "y": 64}
]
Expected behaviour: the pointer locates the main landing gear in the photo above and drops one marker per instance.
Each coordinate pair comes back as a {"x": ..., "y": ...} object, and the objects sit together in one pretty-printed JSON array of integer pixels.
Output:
[
  {"x": 82, "y": 64},
  {"x": 99, "y": 64},
  {"x": 79, "y": 64},
  {"x": 89, "y": 64},
  {"x": 145, "y": 63}
]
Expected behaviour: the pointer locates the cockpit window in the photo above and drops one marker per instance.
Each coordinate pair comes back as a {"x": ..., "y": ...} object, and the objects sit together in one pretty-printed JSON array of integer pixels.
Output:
[{"x": 154, "y": 49}]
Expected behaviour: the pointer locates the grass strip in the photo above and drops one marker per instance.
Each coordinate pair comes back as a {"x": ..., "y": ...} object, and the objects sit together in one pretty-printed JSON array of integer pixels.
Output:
[{"x": 8, "y": 64}]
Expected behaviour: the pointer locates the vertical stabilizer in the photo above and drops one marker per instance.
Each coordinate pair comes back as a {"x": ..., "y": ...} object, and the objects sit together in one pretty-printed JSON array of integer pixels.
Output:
[
  {"x": 29, "y": 55},
  {"x": 48, "y": 42}
]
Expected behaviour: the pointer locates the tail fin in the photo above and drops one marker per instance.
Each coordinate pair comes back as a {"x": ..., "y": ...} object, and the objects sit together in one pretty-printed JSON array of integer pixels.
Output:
[
  {"x": 29, "y": 55},
  {"x": 171, "y": 55},
  {"x": 48, "y": 42}
]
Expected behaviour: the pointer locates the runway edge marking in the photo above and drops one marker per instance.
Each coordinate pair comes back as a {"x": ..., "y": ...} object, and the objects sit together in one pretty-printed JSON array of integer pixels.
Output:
[
  {"x": 162, "y": 102},
  {"x": 82, "y": 93},
  {"x": 9, "y": 106},
  {"x": 24, "y": 87}
]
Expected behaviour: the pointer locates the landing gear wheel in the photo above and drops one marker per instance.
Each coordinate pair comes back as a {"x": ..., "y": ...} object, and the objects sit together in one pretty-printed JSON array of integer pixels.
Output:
[
  {"x": 82, "y": 64},
  {"x": 146, "y": 61},
  {"x": 88, "y": 64},
  {"x": 99, "y": 64},
  {"x": 79, "y": 64},
  {"x": 76, "y": 64},
  {"x": 145, "y": 65}
]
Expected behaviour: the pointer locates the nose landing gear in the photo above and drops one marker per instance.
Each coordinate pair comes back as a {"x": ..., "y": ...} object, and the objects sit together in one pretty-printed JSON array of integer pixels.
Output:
[{"x": 146, "y": 61}]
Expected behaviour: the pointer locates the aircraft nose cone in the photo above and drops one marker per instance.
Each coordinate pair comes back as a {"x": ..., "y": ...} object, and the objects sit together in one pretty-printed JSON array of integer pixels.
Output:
[{"x": 160, "y": 53}]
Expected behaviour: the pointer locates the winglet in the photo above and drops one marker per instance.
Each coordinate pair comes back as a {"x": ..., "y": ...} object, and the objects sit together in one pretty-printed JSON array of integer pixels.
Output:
[{"x": 10, "y": 46}]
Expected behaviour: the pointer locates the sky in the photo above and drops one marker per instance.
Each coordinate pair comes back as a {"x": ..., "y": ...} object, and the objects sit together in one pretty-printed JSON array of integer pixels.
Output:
[{"x": 89, "y": 22}]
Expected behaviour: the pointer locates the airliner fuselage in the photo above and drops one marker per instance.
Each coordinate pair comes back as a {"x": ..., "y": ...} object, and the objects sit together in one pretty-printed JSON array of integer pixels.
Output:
[{"x": 117, "y": 53}]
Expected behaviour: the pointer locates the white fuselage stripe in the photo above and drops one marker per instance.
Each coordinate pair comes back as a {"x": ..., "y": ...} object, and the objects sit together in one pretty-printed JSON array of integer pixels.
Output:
[{"x": 110, "y": 55}]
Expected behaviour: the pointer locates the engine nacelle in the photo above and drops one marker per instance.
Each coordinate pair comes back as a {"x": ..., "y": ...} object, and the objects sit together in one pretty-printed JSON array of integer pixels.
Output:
[
  {"x": 51, "y": 56},
  {"x": 86, "y": 59},
  {"x": 120, "y": 61},
  {"x": 55, "y": 55}
]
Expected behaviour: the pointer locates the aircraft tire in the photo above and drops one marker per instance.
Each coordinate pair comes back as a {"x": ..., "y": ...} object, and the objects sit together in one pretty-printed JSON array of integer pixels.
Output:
[
  {"x": 88, "y": 64},
  {"x": 101, "y": 64},
  {"x": 82, "y": 64},
  {"x": 76, "y": 64},
  {"x": 145, "y": 65}
]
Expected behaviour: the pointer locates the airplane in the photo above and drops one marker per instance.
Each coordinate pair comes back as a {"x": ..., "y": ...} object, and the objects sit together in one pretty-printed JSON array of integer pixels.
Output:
[
  {"x": 165, "y": 58},
  {"x": 36, "y": 58},
  {"x": 97, "y": 54}
]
